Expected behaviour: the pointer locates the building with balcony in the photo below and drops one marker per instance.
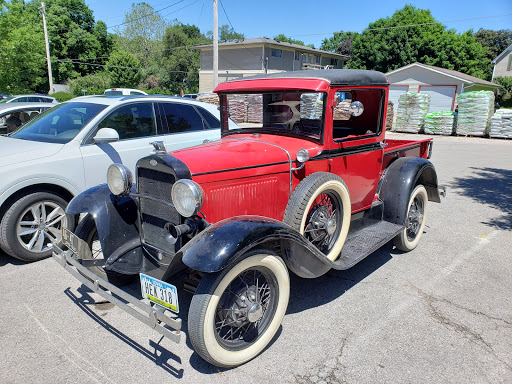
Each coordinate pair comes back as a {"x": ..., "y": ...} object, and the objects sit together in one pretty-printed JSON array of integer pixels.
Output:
[{"x": 257, "y": 56}]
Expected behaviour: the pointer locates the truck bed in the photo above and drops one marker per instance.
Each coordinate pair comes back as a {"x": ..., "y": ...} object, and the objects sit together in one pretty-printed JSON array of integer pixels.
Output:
[{"x": 405, "y": 148}]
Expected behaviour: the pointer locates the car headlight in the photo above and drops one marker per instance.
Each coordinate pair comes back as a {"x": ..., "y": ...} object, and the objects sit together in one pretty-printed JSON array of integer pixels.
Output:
[
  {"x": 119, "y": 179},
  {"x": 187, "y": 197}
]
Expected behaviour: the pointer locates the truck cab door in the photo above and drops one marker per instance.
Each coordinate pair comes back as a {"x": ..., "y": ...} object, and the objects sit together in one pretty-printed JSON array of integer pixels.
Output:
[{"x": 356, "y": 141}]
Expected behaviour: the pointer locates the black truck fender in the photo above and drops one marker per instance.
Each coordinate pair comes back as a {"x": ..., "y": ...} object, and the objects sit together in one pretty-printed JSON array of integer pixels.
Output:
[
  {"x": 399, "y": 180},
  {"x": 225, "y": 242},
  {"x": 116, "y": 222}
]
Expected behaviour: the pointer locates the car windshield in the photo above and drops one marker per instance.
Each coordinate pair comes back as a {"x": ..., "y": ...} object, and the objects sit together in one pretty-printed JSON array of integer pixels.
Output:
[
  {"x": 59, "y": 124},
  {"x": 285, "y": 112}
]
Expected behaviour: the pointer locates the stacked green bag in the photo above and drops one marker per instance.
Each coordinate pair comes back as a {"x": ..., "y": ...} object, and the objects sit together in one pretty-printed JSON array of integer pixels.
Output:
[
  {"x": 411, "y": 111},
  {"x": 440, "y": 123},
  {"x": 475, "y": 111}
]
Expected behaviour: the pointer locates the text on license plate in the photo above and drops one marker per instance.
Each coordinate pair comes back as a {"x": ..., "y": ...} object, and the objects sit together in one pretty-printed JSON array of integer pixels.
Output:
[{"x": 159, "y": 292}]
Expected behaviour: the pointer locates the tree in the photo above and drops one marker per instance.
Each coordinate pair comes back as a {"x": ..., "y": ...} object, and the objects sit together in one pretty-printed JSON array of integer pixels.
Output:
[
  {"x": 228, "y": 34},
  {"x": 124, "y": 70},
  {"x": 22, "y": 52},
  {"x": 179, "y": 67},
  {"x": 141, "y": 33},
  {"x": 387, "y": 45},
  {"x": 341, "y": 42},
  {"x": 504, "y": 95},
  {"x": 494, "y": 43},
  {"x": 282, "y": 37}
]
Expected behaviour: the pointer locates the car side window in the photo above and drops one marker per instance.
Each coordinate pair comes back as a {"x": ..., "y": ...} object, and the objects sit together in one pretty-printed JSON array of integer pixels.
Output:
[
  {"x": 132, "y": 121},
  {"x": 181, "y": 118},
  {"x": 212, "y": 121},
  {"x": 135, "y": 93}
]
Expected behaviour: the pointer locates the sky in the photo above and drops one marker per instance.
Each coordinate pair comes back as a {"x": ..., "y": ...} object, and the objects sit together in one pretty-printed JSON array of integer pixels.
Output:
[{"x": 308, "y": 20}]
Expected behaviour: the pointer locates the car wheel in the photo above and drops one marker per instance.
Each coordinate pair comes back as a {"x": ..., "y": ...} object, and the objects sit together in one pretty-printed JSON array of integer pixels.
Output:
[
  {"x": 86, "y": 230},
  {"x": 236, "y": 312},
  {"x": 32, "y": 224},
  {"x": 320, "y": 209},
  {"x": 410, "y": 236}
]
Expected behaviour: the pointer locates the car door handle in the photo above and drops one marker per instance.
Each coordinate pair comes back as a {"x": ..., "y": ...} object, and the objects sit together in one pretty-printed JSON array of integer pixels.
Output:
[{"x": 206, "y": 141}]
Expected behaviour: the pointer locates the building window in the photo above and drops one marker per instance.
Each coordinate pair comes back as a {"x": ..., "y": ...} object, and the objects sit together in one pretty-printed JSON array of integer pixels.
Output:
[
  {"x": 317, "y": 59},
  {"x": 334, "y": 62},
  {"x": 297, "y": 56},
  {"x": 277, "y": 52},
  {"x": 304, "y": 57}
]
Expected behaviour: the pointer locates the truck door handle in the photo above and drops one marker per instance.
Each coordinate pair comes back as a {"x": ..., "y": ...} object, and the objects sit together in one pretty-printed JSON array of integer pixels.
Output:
[{"x": 383, "y": 144}]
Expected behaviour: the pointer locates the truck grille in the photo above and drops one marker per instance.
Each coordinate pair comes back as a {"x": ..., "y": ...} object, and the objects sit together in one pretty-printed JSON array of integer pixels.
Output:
[{"x": 154, "y": 214}]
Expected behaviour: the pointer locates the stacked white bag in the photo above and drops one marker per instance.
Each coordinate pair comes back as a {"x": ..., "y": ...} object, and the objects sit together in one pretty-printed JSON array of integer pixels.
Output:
[
  {"x": 475, "y": 111},
  {"x": 501, "y": 124},
  {"x": 440, "y": 123},
  {"x": 411, "y": 112}
]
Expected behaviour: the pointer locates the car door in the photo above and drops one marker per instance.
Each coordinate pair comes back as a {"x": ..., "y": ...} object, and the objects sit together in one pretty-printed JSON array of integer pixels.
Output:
[
  {"x": 187, "y": 125},
  {"x": 137, "y": 124},
  {"x": 357, "y": 142}
]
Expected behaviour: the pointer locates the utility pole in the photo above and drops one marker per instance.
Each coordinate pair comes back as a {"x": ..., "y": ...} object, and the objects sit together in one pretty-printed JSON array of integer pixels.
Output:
[
  {"x": 215, "y": 45},
  {"x": 47, "y": 50}
]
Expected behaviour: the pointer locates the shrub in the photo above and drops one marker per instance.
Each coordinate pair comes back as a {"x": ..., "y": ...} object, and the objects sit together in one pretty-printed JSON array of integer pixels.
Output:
[
  {"x": 504, "y": 95},
  {"x": 62, "y": 96}
]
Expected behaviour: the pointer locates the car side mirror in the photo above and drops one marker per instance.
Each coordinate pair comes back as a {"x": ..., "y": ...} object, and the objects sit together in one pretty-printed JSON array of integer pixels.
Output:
[
  {"x": 356, "y": 108},
  {"x": 106, "y": 135}
]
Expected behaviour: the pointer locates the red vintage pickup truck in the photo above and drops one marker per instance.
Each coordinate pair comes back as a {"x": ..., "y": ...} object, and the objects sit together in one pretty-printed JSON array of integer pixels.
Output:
[{"x": 306, "y": 182}]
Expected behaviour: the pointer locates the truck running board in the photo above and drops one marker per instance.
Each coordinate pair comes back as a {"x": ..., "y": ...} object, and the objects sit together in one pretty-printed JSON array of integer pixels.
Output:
[{"x": 365, "y": 241}]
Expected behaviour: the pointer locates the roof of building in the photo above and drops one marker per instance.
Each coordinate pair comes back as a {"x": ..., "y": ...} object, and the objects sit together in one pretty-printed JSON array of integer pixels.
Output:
[
  {"x": 333, "y": 76},
  {"x": 508, "y": 49},
  {"x": 263, "y": 40},
  {"x": 448, "y": 72}
]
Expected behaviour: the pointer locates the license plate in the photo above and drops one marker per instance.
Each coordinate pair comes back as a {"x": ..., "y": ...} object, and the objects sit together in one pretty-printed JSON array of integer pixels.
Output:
[
  {"x": 77, "y": 245},
  {"x": 159, "y": 292}
]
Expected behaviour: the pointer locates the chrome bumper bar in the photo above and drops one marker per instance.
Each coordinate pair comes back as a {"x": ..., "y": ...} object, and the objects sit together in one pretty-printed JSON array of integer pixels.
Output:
[{"x": 160, "y": 321}]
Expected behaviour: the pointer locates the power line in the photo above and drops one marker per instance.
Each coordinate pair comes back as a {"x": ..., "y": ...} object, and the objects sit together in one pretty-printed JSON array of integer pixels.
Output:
[
  {"x": 146, "y": 16},
  {"x": 114, "y": 66}
]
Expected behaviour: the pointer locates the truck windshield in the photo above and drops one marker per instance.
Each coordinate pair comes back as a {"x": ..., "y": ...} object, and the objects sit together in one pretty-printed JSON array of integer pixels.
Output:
[
  {"x": 289, "y": 112},
  {"x": 59, "y": 124}
]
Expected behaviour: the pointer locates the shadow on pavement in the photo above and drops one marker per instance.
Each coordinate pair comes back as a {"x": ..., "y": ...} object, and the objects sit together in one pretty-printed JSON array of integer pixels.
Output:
[
  {"x": 5, "y": 259},
  {"x": 305, "y": 294},
  {"x": 493, "y": 187},
  {"x": 160, "y": 356}
]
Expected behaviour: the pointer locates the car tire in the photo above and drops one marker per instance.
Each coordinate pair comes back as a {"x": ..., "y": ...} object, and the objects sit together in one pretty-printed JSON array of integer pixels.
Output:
[
  {"x": 86, "y": 230},
  {"x": 32, "y": 223},
  {"x": 236, "y": 312},
  {"x": 416, "y": 216},
  {"x": 313, "y": 210}
]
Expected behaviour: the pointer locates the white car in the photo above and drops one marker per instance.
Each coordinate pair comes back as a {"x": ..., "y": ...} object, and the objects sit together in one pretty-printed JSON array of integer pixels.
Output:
[
  {"x": 123, "y": 91},
  {"x": 68, "y": 149},
  {"x": 29, "y": 99}
]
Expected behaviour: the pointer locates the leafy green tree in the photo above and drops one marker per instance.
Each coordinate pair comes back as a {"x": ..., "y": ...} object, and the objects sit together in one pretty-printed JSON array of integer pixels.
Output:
[
  {"x": 141, "y": 33},
  {"x": 179, "y": 68},
  {"x": 22, "y": 52},
  {"x": 387, "y": 45},
  {"x": 282, "y": 37},
  {"x": 340, "y": 42},
  {"x": 494, "y": 43},
  {"x": 124, "y": 70},
  {"x": 228, "y": 34},
  {"x": 504, "y": 95},
  {"x": 94, "y": 84}
]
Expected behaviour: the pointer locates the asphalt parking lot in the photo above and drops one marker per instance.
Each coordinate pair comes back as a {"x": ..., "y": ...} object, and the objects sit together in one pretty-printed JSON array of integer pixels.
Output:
[{"x": 439, "y": 314}]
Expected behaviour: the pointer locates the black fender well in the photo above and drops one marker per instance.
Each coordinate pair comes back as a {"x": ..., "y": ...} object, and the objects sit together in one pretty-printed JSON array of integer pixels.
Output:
[
  {"x": 225, "y": 242},
  {"x": 398, "y": 182},
  {"x": 116, "y": 222}
]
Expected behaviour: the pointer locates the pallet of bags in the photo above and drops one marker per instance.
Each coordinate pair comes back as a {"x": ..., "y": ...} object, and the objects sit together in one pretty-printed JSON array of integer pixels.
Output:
[
  {"x": 501, "y": 124},
  {"x": 255, "y": 108},
  {"x": 411, "y": 111},
  {"x": 237, "y": 105},
  {"x": 440, "y": 123},
  {"x": 475, "y": 111},
  {"x": 210, "y": 98}
]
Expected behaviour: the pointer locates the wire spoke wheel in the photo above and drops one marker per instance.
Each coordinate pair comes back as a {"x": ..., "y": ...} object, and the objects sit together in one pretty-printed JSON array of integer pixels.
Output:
[
  {"x": 246, "y": 308},
  {"x": 415, "y": 219},
  {"x": 324, "y": 221}
]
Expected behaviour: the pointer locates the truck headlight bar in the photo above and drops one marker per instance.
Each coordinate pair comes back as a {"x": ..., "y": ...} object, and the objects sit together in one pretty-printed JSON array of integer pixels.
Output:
[
  {"x": 187, "y": 197},
  {"x": 119, "y": 179}
]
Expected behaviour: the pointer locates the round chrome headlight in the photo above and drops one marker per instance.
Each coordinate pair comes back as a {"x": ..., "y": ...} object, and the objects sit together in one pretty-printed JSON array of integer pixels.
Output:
[
  {"x": 119, "y": 179},
  {"x": 302, "y": 155},
  {"x": 187, "y": 197}
]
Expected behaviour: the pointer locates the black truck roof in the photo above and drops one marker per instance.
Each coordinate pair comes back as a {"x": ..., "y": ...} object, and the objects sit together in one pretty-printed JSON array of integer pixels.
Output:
[{"x": 333, "y": 76}]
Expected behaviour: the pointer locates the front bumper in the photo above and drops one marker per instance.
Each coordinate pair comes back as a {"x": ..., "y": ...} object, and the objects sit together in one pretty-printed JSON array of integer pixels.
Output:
[{"x": 158, "y": 319}]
